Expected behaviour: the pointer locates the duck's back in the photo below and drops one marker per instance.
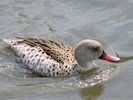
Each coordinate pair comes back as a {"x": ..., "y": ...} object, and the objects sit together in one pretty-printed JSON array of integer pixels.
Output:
[{"x": 45, "y": 57}]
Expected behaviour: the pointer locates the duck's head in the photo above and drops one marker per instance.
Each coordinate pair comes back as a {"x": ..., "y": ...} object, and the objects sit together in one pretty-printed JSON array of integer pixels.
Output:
[{"x": 88, "y": 50}]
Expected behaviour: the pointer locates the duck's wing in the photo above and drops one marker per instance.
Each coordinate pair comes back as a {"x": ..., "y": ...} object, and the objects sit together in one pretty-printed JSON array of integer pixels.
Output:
[{"x": 58, "y": 51}]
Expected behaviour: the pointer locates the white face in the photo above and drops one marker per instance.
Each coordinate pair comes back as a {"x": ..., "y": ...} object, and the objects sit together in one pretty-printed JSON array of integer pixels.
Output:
[
  {"x": 89, "y": 49},
  {"x": 94, "y": 51}
]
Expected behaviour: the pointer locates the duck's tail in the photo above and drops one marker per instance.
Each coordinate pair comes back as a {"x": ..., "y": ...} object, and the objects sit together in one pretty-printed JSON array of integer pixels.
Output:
[{"x": 11, "y": 42}]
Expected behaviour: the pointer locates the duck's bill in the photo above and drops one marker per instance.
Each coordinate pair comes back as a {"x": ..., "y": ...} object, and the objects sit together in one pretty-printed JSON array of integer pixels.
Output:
[{"x": 108, "y": 57}]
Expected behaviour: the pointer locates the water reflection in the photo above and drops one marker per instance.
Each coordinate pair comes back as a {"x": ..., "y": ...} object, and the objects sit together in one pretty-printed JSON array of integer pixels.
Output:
[
  {"x": 90, "y": 73},
  {"x": 92, "y": 93},
  {"x": 125, "y": 59}
]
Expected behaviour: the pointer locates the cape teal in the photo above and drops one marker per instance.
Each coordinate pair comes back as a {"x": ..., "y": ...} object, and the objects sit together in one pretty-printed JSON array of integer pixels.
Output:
[{"x": 49, "y": 58}]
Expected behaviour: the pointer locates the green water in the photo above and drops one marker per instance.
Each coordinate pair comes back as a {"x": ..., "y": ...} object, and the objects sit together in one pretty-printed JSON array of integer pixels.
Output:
[{"x": 68, "y": 21}]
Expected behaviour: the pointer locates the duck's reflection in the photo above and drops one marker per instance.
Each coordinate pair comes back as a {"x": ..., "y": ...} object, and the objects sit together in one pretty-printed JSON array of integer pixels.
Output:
[
  {"x": 95, "y": 79},
  {"x": 90, "y": 73},
  {"x": 92, "y": 93}
]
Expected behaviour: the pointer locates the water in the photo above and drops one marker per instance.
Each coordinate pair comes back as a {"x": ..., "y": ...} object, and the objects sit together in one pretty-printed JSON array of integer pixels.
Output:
[{"x": 69, "y": 21}]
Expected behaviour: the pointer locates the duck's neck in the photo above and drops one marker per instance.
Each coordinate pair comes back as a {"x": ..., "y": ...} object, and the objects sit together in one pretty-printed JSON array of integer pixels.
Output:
[{"x": 85, "y": 65}]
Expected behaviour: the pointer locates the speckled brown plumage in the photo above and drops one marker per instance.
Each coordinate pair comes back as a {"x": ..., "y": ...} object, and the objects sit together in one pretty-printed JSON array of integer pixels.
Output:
[
  {"x": 46, "y": 57},
  {"x": 58, "y": 51}
]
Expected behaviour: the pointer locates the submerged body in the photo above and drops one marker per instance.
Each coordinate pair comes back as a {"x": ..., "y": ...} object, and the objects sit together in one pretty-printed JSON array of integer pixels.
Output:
[{"x": 49, "y": 58}]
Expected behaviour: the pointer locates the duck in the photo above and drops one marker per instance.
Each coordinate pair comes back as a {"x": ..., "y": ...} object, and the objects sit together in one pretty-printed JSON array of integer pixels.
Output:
[{"x": 49, "y": 58}]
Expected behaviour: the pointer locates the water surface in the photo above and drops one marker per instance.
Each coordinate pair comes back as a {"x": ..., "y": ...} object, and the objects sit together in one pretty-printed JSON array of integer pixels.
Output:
[{"x": 69, "y": 21}]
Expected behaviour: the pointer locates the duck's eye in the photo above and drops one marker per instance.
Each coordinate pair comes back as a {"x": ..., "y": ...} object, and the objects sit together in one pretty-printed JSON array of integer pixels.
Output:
[{"x": 95, "y": 49}]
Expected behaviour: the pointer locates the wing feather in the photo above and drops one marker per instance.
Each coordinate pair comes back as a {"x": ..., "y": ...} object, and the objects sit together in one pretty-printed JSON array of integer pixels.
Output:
[{"x": 58, "y": 51}]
